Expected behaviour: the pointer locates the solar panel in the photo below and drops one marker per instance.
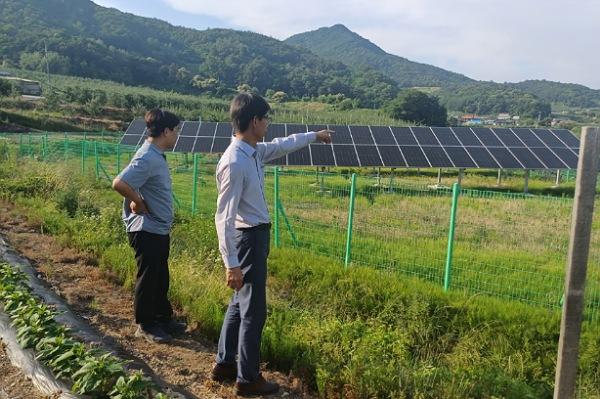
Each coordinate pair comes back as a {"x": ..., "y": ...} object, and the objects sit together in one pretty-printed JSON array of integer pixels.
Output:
[
  {"x": 203, "y": 144},
  {"x": 567, "y": 157},
  {"x": 508, "y": 138},
  {"x": 404, "y": 136},
  {"x": 220, "y": 144},
  {"x": 527, "y": 137},
  {"x": 466, "y": 136},
  {"x": 278, "y": 161},
  {"x": 300, "y": 157},
  {"x": 391, "y": 156},
  {"x": 130, "y": 139},
  {"x": 207, "y": 129},
  {"x": 460, "y": 158},
  {"x": 566, "y": 137},
  {"x": 185, "y": 144},
  {"x": 345, "y": 155},
  {"x": 549, "y": 158},
  {"x": 437, "y": 156},
  {"x": 445, "y": 136},
  {"x": 482, "y": 157},
  {"x": 414, "y": 157},
  {"x": 315, "y": 128},
  {"x": 189, "y": 129},
  {"x": 548, "y": 138},
  {"x": 383, "y": 135},
  {"x": 341, "y": 135},
  {"x": 527, "y": 159},
  {"x": 505, "y": 158},
  {"x": 424, "y": 136},
  {"x": 275, "y": 131},
  {"x": 361, "y": 135},
  {"x": 295, "y": 128},
  {"x": 376, "y": 146},
  {"x": 487, "y": 137},
  {"x": 368, "y": 155},
  {"x": 224, "y": 130},
  {"x": 136, "y": 127},
  {"x": 135, "y": 133},
  {"x": 322, "y": 155}
]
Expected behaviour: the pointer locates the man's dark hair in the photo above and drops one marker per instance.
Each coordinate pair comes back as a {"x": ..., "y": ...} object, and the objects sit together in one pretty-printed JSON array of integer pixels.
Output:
[
  {"x": 158, "y": 120},
  {"x": 244, "y": 107}
]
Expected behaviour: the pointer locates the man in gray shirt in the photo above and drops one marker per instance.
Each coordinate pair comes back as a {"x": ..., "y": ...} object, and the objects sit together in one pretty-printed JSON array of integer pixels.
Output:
[
  {"x": 148, "y": 215},
  {"x": 243, "y": 228}
]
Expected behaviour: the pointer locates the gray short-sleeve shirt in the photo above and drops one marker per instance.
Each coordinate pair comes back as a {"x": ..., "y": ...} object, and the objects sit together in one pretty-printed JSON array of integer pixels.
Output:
[{"x": 148, "y": 174}]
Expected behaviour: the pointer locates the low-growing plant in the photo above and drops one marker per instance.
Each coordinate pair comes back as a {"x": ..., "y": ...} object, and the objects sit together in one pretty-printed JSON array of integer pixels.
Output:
[{"x": 94, "y": 373}]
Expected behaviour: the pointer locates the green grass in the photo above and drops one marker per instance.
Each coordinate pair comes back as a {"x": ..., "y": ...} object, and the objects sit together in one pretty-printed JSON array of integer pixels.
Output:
[
  {"x": 363, "y": 332},
  {"x": 507, "y": 245}
]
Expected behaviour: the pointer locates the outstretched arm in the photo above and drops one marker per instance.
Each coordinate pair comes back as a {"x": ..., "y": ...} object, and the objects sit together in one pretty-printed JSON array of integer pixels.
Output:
[{"x": 284, "y": 145}]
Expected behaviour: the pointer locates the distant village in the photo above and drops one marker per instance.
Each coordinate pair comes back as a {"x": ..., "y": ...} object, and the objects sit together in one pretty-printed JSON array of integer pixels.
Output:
[{"x": 502, "y": 119}]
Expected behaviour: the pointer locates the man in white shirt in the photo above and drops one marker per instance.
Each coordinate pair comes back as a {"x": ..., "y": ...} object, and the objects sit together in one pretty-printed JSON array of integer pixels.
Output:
[{"x": 243, "y": 227}]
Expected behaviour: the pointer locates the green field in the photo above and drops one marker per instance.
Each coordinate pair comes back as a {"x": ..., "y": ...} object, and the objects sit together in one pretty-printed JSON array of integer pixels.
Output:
[{"x": 386, "y": 330}]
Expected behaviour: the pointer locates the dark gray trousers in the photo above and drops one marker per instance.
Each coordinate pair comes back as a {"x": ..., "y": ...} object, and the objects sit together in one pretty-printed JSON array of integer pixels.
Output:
[{"x": 245, "y": 317}]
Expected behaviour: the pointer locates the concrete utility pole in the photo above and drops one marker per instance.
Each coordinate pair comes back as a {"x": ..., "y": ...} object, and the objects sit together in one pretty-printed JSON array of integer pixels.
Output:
[{"x": 581, "y": 228}]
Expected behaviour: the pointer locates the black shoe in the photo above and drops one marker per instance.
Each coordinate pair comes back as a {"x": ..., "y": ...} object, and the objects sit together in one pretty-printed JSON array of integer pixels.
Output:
[
  {"x": 153, "y": 333},
  {"x": 172, "y": 326},
  {"x": 258, "y": 387},
  {"x": 224, "y": 372}
]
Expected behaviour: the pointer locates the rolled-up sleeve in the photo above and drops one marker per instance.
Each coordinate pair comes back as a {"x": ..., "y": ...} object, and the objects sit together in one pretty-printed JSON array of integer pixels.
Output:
[
  {"x": 230, "y": 181},
  {"x": 284, "y": 145}
]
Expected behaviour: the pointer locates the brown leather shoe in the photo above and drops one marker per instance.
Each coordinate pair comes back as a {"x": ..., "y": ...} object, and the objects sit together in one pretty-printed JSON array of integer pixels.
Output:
[
  {"x": 258, "y": 387},
  {"x": 224, "y": 372}
]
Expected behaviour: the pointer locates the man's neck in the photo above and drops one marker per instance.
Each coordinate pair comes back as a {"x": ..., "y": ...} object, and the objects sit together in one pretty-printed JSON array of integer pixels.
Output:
[
  {"x": 160, "y": 144},
  {"x": 247, "y": 137}
]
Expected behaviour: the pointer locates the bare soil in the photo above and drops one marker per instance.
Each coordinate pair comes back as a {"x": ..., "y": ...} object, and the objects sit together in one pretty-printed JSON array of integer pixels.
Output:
[
  {"x": 184, "y": 365},
  {"x": 13, "y": 384}
]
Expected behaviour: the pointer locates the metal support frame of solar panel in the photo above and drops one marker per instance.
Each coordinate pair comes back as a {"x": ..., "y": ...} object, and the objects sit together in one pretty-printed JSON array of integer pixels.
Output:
[{"x": 385, "y": 146}]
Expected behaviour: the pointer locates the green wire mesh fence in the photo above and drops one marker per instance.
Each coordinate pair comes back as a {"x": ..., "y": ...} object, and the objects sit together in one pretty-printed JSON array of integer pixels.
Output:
[{"x": 504, "y": 245}]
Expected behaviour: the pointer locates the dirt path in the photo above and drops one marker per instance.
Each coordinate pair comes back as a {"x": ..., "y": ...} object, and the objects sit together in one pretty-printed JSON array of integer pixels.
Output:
[
  {"x": 13, "y": 384},
  {"x": 96, "y": 296}
]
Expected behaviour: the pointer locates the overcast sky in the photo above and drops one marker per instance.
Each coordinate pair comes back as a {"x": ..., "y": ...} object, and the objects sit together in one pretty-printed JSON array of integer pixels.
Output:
[{"x": 499, "y": 40}]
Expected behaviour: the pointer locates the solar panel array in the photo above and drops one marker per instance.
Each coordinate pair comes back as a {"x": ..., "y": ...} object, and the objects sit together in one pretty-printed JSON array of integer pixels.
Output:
[{"x": 385, "y": 146}]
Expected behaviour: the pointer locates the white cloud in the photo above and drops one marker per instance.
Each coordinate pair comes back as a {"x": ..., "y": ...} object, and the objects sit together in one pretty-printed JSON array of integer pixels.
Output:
[{"x": 506, "y": 40}]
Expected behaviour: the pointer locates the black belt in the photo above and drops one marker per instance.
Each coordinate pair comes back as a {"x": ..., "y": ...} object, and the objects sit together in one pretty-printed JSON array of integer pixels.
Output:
[{"x": 260, "y": 227}]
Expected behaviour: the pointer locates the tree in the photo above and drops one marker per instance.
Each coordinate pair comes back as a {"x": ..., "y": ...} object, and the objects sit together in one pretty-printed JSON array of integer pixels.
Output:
[
  {"x": 36, "y": 61},
  {"x": 279, "y": 97},
  {"x": 416, "y": 106},
  {"x": 5, "y": 88}
]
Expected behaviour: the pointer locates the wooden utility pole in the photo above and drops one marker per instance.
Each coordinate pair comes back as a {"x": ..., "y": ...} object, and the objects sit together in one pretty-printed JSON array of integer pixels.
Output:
[{"x": 581, "y": 228}]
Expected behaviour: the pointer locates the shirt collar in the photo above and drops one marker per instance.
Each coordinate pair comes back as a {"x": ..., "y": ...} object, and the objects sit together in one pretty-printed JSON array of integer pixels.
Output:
[
  {"x": 245, "y": 147},
  {"x": 154, "y": 148}
]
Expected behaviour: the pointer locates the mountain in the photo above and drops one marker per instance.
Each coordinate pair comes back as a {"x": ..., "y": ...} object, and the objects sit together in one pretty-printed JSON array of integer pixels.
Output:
[
  {"x": 338, "y": 43},
  {"x": 458, "y": 92},
  {"x": 570, "y": 94},
  {"x": 84, "y": 39}
]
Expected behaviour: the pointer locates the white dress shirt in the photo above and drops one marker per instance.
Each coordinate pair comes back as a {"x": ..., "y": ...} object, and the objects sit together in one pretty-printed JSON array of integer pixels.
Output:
[{"x": 240, "y": 186}]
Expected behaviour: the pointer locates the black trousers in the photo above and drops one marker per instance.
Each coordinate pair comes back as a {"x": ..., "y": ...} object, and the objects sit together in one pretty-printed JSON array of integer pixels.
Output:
[{"x": 151, "y": 303}]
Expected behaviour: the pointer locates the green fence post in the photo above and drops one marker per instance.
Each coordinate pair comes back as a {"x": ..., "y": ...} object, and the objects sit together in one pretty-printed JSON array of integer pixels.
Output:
[
  {"x": 195, "y": 184},
  {"x": 276, "y": 207},
  {"x": 97, "y": 159},
  {"x": 350, "y": 221},
  {"x": 448, "y": 269},
  {"x": 46, "y": 152},
  {"x": 29, "y": 145},
  {"x": 83, "y": 153}
]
